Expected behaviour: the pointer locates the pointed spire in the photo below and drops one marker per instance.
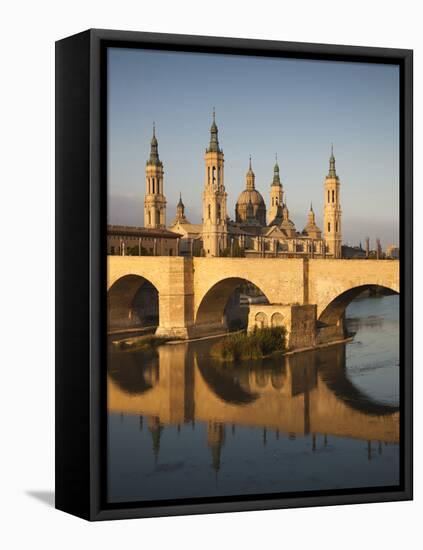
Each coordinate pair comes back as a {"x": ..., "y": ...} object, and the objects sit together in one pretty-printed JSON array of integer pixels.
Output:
[
  {"x": 154, "y": 149},
  {"x": 332, "y": 169},
  {"x": 276, "y": 177},
  {"x": 180, "y": 213},
  {"x": 180, "y": 203},
  {"x": 311, "y": 217},
  {"x": 214, "y": 141},
  {"x": 250, "y": 177}
]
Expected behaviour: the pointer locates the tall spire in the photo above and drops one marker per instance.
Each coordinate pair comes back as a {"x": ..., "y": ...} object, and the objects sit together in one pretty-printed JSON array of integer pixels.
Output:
[
  {"x": 214, "y": 141},
  {"x": 180, "y": 203},
  {"x": 276, "y": 176},
  {"x": 154, "y": 150},
  {"x": 332, "y": 169},
  {"x": 250, "y": 177},
  {"x": 311, "y": 217}
]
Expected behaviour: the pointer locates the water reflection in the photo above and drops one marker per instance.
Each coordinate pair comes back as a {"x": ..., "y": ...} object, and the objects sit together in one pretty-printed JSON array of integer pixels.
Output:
[{"x": 192, "y": 404}]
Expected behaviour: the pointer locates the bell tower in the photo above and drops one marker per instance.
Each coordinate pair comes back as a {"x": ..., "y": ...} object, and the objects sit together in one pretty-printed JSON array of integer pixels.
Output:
[
  {"x": 215, "y": 229},
  {"x": 332, "y": 212},
  {"x": 154, "y": 200},
  {"x": 276, "y": 195}
]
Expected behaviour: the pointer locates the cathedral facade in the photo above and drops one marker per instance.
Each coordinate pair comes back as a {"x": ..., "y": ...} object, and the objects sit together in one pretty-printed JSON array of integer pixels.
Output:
[{"x": 255, "y": 231}]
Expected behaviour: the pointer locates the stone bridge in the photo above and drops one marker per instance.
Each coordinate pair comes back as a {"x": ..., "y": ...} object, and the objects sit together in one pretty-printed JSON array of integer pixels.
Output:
[{"x": 309, "y": 295}]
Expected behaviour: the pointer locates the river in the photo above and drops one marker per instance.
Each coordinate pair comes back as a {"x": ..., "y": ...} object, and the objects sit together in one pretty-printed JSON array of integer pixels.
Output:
[{"x": 181, "y": 425}]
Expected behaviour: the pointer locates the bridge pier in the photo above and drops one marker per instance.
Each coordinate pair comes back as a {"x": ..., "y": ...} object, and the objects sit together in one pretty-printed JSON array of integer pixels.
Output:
[
  {"x": 176, "y": 308},
  {"x": 298, "y": 320},
  {"x": 330, "y": 333}
]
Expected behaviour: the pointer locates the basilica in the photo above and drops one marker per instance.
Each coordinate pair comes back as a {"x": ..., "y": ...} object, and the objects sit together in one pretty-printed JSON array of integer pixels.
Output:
[{"x": 256, "y": 231}]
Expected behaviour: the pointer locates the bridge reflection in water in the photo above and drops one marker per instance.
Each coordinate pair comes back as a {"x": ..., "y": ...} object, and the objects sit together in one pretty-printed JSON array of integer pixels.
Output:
[{"x": 307, "y": 397}]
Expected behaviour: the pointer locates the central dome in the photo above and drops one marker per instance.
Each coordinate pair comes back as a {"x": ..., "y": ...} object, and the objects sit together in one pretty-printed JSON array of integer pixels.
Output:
[
  {"x": 250, "y": 198},
  {"x": 250, "y": 207}
]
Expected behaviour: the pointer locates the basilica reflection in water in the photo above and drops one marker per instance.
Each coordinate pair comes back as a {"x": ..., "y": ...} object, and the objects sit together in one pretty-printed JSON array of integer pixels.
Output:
[{"x": 271, "y": 414}]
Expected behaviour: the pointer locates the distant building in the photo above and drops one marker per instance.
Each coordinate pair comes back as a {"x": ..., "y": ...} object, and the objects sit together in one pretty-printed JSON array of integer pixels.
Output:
[
  {"x": 134, "y": 241},
  {"x": 393, "y": 251}
]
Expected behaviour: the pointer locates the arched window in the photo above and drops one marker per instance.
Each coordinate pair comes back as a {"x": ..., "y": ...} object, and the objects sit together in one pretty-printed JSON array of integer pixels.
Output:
[
  {"x": 336, "y": 227},
  {"x": 152, "y": 182},
  {"x": 333, "y": 196},
  {"x": 328, "y": 227},
  {"x": 149, "y": 217},
  {"x": 158, "y": 216},
  {"x": 208, "y": 175},
  {"x": 209, "y": 211},
  {"x": 328, "y": 196},
  {"x": 277, "y": 320},
  {"x": 260, "y": 320}
]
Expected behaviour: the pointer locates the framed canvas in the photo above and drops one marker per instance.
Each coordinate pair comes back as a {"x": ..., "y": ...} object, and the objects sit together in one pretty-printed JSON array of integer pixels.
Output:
[{"x": 233, "y": 274}]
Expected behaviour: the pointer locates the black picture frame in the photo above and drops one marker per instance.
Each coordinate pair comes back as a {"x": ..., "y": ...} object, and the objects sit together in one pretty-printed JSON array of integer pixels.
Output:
[{"x": 81, "y": 271}]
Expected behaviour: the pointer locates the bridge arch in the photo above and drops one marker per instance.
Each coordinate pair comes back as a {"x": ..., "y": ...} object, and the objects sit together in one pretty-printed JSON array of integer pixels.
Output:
[
  {"x": 211, "y": 310},
  {"x": 333, "y": 311},
  {"x": 133, "y": 302}
]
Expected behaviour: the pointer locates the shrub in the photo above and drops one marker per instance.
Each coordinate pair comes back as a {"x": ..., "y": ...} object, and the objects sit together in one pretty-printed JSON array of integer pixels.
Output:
[{"x": 253, "y": 345}]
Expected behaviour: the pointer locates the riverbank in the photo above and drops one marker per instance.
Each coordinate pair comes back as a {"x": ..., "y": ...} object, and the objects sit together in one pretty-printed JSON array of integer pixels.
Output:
[
  {"x": 141, "y": 343},
  {"x": 237, "y": 345}
]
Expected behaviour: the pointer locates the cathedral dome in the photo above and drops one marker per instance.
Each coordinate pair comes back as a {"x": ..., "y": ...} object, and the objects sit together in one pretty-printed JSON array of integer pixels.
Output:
[
  {"x": 252, "y": 196},
  {"x": 250, "y": 199},
  {"x": 250, "y": 202}
]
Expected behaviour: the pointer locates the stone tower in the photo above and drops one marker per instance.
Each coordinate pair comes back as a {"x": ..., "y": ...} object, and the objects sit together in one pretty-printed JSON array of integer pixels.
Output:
[
  {"x": 154, "y": 200},
  {"x": 215, "y": 228},
  {"x": 276, "y": 195},
  {"x": 180, "y": 212},
  {"x": 332, "y": 212}
]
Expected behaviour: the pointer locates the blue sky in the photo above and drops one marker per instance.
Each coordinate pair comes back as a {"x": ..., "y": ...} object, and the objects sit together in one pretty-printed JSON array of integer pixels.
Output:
[{"x": 293, "y": 107}]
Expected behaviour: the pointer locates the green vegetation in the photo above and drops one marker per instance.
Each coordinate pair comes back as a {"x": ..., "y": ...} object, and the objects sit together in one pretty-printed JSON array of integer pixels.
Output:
[
  {"x": 142, "y": 343},
  {"x": 252, "y": 345}
]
